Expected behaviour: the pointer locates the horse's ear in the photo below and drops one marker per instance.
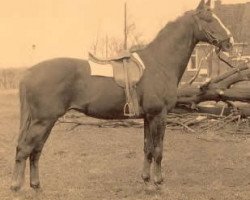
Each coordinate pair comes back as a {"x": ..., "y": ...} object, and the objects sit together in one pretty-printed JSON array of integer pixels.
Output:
[
  {"x": 201, "y": 5},
  {"x": 209, "y": 3}
]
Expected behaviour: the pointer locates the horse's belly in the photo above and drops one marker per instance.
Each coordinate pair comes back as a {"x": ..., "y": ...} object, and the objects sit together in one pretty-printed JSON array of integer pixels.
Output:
[
  {"x": 103, "y": 108},
  {"x": 102, "y": 98}
]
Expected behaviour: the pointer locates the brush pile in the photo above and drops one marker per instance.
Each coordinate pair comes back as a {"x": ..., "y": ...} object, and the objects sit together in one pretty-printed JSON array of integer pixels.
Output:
[{"x": 189, "y": 122}]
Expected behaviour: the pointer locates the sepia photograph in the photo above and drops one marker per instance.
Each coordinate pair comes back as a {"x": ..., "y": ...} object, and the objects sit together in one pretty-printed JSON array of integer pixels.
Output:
[{"x": 125, "y": 100}]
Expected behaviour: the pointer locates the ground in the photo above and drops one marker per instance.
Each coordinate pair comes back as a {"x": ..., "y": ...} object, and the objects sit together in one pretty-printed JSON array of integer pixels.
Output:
[{"x": 105, "y": 163}]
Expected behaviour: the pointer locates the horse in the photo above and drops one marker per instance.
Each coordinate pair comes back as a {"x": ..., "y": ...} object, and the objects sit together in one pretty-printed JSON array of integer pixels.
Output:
[{"x": 52, "y": 87}]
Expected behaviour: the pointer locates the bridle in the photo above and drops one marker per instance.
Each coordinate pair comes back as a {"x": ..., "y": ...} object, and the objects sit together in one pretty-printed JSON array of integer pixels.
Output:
[{"x": 211, "y": 38}]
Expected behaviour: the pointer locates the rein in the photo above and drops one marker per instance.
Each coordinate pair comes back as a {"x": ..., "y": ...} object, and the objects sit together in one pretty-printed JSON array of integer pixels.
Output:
[{"x": 223, "y": 60}]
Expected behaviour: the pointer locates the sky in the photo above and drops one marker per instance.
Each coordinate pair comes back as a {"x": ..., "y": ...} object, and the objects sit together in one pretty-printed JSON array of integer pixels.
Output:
[{"x": 35, "y": 30}]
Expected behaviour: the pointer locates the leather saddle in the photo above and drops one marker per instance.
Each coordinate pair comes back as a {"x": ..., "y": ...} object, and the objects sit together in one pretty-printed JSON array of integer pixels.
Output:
[{"x": 127, "y": 70}]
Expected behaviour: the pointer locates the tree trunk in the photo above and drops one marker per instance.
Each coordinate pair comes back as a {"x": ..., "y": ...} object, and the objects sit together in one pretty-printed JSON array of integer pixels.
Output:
[{"x": 221, "y": 88}]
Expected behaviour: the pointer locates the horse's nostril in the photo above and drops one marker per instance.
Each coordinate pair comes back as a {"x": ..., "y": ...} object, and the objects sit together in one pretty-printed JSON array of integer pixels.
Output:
[{"x": 228, "y": 46}]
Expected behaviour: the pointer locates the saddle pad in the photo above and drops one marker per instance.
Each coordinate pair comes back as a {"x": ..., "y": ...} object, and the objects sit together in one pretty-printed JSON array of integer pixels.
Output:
[
  {"x": 97, "y": 69},
  {"x": 137, "y": 57}
]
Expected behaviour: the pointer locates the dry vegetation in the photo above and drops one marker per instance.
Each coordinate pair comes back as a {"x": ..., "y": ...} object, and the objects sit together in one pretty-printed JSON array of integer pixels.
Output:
[{"x": 9, "y": 77}]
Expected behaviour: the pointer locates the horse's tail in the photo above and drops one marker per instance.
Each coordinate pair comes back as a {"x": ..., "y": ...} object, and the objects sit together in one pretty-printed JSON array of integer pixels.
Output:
[{"x": 25, "y": 112}]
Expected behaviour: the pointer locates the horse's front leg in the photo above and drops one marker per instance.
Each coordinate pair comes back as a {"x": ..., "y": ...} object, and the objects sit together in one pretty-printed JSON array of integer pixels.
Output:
[
  {"x": 158, "y": 149},
  {"x": 154, "y": 130},
  {"x": 148, "y": 151}
]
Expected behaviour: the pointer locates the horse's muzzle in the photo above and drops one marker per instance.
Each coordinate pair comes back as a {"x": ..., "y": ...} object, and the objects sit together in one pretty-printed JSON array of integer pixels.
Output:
[{"x": 227, "y": 45}]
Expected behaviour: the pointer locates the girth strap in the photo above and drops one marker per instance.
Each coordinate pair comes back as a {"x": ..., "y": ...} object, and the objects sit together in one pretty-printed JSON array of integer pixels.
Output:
[{"x": 128, "y": 109}]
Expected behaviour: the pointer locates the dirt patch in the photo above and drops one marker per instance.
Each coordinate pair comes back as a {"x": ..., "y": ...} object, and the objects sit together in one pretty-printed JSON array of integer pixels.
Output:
[{"x": 105, "y": 163}]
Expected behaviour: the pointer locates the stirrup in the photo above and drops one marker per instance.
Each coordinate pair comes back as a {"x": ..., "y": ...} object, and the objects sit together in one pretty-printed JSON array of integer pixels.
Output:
[{"x": 127, "y": 111}]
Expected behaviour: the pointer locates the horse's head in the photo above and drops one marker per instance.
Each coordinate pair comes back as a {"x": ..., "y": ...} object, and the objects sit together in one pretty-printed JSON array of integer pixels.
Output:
[{"x": 209, "y": 27}]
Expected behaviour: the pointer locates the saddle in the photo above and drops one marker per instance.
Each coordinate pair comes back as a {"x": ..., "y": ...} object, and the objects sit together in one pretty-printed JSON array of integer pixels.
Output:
[{"x": 127, "y": 71}]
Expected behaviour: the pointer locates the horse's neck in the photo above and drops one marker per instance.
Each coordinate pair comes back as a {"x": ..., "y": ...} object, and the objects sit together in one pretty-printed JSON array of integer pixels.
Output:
[{"x": 172, "y": 48}]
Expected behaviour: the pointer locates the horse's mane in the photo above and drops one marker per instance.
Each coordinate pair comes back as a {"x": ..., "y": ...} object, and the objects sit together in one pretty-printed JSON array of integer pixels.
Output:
[
  {"x": 172, "y": 25},
  {"x": 167, "y": 29}
]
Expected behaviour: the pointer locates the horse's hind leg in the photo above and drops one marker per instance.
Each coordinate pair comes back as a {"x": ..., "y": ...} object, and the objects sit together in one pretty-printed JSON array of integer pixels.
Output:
[
  {"x": 45, "y": 128},
  {"x": 29, "y": 141},
  {"x": 19, "y": 168},
  {"x": 34, "y": 172}
]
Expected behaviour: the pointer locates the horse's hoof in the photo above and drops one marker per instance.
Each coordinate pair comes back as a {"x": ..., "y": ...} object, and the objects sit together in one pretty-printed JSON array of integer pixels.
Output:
[
  {"x": 15, "y": 188},
  {"x": 158, "y": 181},
  {"x": 35, "y": 186},
  {"x": 145, "y": 178}
]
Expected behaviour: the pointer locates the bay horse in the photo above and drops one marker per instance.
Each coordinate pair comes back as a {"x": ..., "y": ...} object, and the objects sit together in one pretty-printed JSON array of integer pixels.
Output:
[{"x": 51, "y": 88}]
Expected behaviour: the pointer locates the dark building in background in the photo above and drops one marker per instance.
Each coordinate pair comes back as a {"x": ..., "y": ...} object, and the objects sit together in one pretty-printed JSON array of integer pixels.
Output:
[{"x": 237, "y": 18}]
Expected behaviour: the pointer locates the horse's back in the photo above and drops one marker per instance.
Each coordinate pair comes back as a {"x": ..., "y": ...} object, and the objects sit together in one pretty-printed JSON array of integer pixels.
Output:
[{"x": 55, "y": 70}]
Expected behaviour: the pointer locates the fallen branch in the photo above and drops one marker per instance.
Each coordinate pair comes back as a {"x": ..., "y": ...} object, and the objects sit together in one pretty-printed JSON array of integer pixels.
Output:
[{"x": 190, "y": 122}]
